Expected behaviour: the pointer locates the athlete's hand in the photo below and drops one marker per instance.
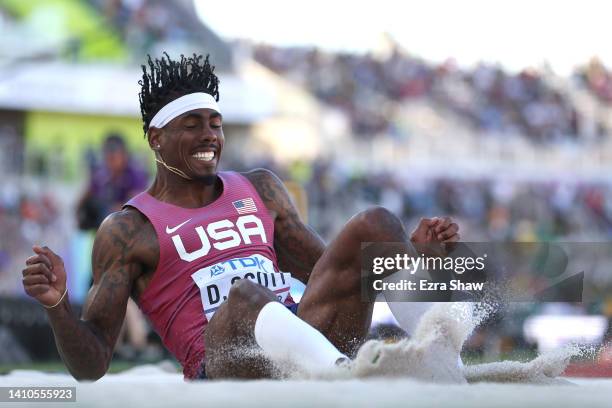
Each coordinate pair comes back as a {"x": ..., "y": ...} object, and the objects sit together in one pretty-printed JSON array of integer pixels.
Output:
[
  {"x": 44, "y": 277},
  {"x": 446, "y": 232},
  {"x": 435, "y": 236}
]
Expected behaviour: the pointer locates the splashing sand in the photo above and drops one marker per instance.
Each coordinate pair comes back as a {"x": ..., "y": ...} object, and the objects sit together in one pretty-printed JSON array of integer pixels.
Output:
[
  {"x": 433, "y": 354},
  {"x": 542, "y": 370}
]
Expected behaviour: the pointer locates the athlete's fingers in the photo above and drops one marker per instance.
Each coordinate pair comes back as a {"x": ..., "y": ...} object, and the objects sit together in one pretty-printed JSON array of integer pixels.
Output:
[
  {"x": 448, "y": 232},
  {"x": 46, "y": 251},
  {"x": 29, "y": 280},
  {"x": 432, "y": 222},
  {"x": 443, "y": 224},
  {"x": 40, "y": 269},
  {"x": 35, "y": 290},
  {"x": 423, "y": 223},
  {"x": 424, "y": 231},
  {"x": 38, "y": 249},
  {"x": 454, "y": 238},
  {"x": 429, "y": 224},
  {"x": 39, "y": 258},
  {"x": 55, "y": 258}
]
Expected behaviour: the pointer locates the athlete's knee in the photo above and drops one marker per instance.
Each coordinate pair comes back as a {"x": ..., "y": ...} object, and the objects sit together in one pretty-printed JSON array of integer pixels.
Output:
[
  {"x": 378, "y": 224},
  {"x": 373, "y": 217},
  {"x": 247, "y": 294},
  {"x": 236, "y": 316}
]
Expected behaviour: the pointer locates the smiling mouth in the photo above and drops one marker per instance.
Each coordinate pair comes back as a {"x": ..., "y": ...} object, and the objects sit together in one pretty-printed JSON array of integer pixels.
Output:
[{"x": 204, "y": 156}]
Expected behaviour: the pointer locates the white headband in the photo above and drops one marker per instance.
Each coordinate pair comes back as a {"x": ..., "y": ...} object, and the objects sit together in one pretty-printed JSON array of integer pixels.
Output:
[{"x": 185, "y": 103}]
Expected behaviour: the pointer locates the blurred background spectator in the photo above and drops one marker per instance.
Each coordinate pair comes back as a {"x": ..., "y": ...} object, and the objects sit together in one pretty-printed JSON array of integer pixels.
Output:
[{"x": 112, "y": 183}]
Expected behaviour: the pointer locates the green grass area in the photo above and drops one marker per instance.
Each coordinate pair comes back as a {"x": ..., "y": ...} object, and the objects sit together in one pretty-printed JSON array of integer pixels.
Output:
[
  {"x": 516, "y": 355},
  {"x": 54, "y": 366}
]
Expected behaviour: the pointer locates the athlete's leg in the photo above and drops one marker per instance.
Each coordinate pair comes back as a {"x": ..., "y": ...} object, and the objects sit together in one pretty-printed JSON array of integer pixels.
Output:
[
  {"x": 230, "y": 334},
  {"x": 251, "y": 324},
  {"x": 332, "y": 302}
]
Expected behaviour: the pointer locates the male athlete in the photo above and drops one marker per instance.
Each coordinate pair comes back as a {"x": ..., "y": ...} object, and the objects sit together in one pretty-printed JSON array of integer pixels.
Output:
[{"x": 207, "y": 255}]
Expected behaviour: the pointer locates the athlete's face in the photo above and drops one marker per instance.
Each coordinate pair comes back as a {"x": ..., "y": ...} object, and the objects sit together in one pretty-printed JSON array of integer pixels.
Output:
[{"x": 193, "y": 143}]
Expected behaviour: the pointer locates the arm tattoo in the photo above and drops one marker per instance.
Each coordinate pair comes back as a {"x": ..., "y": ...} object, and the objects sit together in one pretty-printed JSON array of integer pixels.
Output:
[
  {"x": 86, "y": 345},
  {"x": 297, "y": 246}
]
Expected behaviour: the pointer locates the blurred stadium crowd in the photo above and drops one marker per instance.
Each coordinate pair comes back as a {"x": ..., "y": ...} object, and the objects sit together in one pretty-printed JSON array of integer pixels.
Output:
[
  {"x": 598, "y": 79},
  {"x": 488, "y": 209},
  {"x": 369, "y": 89},
  {"x": 142, "y": 24}
]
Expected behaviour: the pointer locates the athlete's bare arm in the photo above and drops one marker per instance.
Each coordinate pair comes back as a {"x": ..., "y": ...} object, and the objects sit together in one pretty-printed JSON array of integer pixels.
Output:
[
  {"x": 120, "y": 251},
  {"x": 298, "y": 247}
]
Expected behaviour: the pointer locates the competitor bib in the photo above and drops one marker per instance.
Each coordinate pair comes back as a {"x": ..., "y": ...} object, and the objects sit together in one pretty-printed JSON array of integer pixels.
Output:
[{"x": 216, "y": 280}]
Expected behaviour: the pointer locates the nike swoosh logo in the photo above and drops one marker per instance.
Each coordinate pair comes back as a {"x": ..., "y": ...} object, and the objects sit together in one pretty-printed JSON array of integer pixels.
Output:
[{"x": 171, "y": 230}]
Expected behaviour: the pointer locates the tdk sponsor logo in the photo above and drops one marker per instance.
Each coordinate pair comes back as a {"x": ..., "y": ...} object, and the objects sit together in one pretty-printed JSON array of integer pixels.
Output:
[{"x": 237, "y": 264}]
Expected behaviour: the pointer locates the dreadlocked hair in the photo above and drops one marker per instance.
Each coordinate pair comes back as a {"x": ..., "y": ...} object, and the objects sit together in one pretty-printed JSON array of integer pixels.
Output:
[{"x": 169, "y": 80}]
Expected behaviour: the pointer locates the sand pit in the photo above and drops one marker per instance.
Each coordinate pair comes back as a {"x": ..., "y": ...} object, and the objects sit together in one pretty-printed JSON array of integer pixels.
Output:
[
  {"x": 150, "y": 386},
  {"x": 421, "y": 371}
]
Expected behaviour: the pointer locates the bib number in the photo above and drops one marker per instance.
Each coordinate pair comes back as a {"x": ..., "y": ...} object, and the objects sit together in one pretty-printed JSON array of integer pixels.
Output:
[{"x": 216, "y": 280}]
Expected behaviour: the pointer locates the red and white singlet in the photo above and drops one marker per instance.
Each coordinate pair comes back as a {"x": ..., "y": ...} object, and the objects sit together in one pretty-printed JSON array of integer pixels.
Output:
[{"x": 202, "y": 251}]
